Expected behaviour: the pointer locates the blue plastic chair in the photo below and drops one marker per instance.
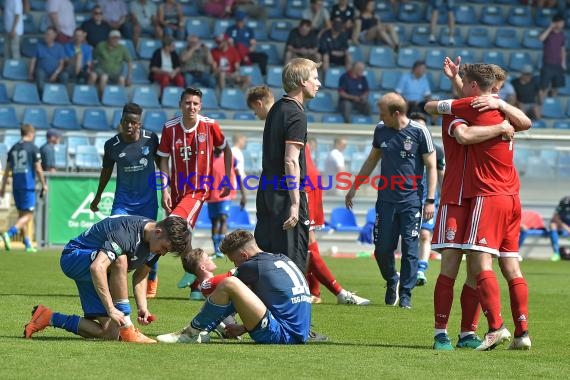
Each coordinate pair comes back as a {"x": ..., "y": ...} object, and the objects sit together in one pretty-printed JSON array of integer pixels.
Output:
[
  {"x": 75, "y": 140},
  {"x": 494, "y": 57},
  {"x": 216, "y": 115},
  {"x": 95, "y": 119},
  {"x": 85, "y": 95},
  {"x": 154, "y": 120},
  {"x": 530, "y": 39},
  {"x": 209, "y": 100},
  {"x": 60, "y": 156},
  {"x": 26, "y": 93},
  {"x": 384, "y": 12},
  {"x": 171, "y": 96},
  {"x": 561, "y": 124},
  {"x": 390, "y": 79},
  {"x": 8, "y": 118},
  {"x": 543, "y": 17},
  {"x": 552, "y": 109},
  {"x": 29, "y": 46},
  {"x": 147, "y": 47},
  {"x": 356, "y": 53},
  {"x": 233, "y": 99},
  {"x": 29, "y": 24},
  {"x": 114, "y": 96},
  {"x": 146, "y": 97},
  {"x": 407, "y": 57},
  {"x": 273, "y": 7},
  {"x": 254, "y": 73},
  {"x": 15, "y": 69},
  {"x": 332, "y": 77},
  {"x": 4, "y": 99},
  {"x": 244, "y": 115},
  {"x": 36, "y": 116},
  {"x": 11, "y": 138},
  {"x": 382, "y": 57},
  {"x": 55, "y": 94},
  {"x": 420, "y": 35},
  {"x": 467, "y": 55},
  {"x": 410, "y": 12},
  {"x": 87, "y": 158},
  {"x": 519, "y": 59},
  {"x": 295, "y": 8},
  {"x": 259, "y": 29},
  {"x": 361, "y": 119},
  {"x": 492, "y": 16},
  {"x": 444, "y": 37},
  {"x": 342, "y": 219},
  {"x": 322, "y": 102},
  {"x": 538, "y": 124},
  {"x": 478, "y": 37},
  {"x": 239, "y": 219},
  {"x": 520, "y": 16},
  {"x": 465, "y": 14},
  {"x": 434, "y": 58},
  {"x": 507, "y": 38},
  {"x": 371, "y": 79},
  {"x": 116, "y": 119},
  {"x": 371, "y": 215},
  {"x": 221, "y": 25},
  {"x": 65, "y": 118},
  {"x": 139, "y": 74},
  {"x": 279, "y": 30},
  {"x": 130, "y": 48},
  {"x": 203, "y": 221},
  {"x": 273, "y": 57},
  {"x": 274, "y": 74},
  {"x": 199, "y": 27},
  {"x": 332, "y": 119}
]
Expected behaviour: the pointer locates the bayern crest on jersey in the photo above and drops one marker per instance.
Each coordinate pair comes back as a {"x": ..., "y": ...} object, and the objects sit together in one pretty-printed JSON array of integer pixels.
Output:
[
  {"x": 145, "y": 150},
  {"x": 450, "y": 234},
  {"x": 201, "y": 137},
  {"x": 408, "y": 144}
]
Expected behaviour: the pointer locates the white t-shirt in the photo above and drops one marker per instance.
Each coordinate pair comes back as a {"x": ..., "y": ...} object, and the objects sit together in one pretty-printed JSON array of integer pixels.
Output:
[
  {"x": 334, "y": 162},
  {"x": 166, "y": 61},
  {"x": 238, "y": 155},
  {"x": 11, "y": 9},
  {"x": 65, "y": 15}
]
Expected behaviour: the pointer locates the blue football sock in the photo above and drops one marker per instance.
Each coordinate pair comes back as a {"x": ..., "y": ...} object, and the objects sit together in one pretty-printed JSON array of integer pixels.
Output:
[
  {"x": 554, "y": 241},
  {"x": 12, "y": 231},
  {"x": 27, "y": 243},
  {"x": 423, "y": 266},
  {"x": 211, "y": 315},
  {"x": 123, "y": 306},
  {"x": 67, "y": 322},
  {"x": 153, "y": 271},
  {"x": 215, "y": 242},
  {"x": 522, "y": 237}
]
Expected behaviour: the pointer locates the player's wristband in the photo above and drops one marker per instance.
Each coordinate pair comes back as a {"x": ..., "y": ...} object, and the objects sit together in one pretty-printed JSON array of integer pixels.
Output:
[{"x": 430, "y": 201}]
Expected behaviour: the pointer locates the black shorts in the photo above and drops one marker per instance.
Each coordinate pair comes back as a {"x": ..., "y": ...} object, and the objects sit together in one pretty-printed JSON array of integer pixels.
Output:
[
  {"x": 272, "y": 211},
  {"x": 552, "y": 74}
]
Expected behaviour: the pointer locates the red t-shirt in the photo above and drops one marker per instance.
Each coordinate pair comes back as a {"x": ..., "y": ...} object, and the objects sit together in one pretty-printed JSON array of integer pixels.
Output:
[
  {"x": 489, "y": 169},
  {"x": 219, "y": 175},
  {"x": 312, "y": 173},
  {"x": 191, "y": 151},
  {"x": 227, "y": 59},
  {"x": 455, "y": 157}
]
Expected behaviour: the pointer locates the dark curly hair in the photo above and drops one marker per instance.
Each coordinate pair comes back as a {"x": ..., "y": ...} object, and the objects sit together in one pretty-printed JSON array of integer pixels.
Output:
[
  {"x": 180, "y": 236},
  {"x": 235, "y": 240}
]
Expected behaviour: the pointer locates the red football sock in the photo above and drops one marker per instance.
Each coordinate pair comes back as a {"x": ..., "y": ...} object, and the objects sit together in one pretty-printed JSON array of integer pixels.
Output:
[
  {"x": 442, "y": 300},
  {"x": 518, "y": 290},
  {"x": 314, "y": 284},
  {"x": 195, "y": 285},
  {"x": 470, "y": 309},
  {"x": 321, "y": 271},
  {"x": 490, "y": 298}
]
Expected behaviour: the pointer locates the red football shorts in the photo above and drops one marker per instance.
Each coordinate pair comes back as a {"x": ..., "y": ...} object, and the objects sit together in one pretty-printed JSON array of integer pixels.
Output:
[
  {"x": 188, "y": 208},
  {"x": 450, "y": 226},
  {"x": 316, "y": 214},
  {"x": 494, "y": 225}
]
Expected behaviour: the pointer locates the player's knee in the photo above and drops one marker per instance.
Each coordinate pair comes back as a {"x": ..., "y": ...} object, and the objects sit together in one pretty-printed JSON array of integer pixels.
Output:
[
  {"x": 230, "y": 285},
  {"x": 425, "y": 235},
  {"x": 510, "y": 268}
]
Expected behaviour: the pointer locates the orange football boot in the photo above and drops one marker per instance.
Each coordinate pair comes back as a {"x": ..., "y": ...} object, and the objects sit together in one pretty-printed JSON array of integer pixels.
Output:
[
  {"x": 151, "y": 287},
  {"x": 41, "y": 317},
  {"x": 132, "y": 334}
]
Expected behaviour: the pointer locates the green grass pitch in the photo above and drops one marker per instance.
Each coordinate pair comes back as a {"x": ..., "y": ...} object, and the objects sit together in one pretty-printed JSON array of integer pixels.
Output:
[{"x": 373, "y": 342}]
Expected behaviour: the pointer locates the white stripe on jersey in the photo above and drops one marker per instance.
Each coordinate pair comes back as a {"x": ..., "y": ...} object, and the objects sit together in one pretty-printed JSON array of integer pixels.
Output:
[
  {"x": 173, "y": 122},
  {"x": 146, "y": 134},
  {"x": 442, "y": 220},
  {"x": 453, "y": 122},
  {"x": 426, "y": 133},
  {"x": 117, "y": 140},
  {"x": 475, "y": 218}
]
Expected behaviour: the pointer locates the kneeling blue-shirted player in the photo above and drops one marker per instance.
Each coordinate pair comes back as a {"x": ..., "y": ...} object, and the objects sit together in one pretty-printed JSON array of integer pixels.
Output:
[
  {"x": 98, "y": 261},
  {"x": 267, "y": 290}
]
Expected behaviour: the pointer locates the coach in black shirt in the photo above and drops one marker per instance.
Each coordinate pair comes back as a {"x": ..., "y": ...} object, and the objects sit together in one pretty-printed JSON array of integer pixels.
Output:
[{"x": 282, "y": 218}]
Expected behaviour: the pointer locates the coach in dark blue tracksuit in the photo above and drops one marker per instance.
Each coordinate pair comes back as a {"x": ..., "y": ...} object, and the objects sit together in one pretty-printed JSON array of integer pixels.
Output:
[{"x": 404, "y": 147}]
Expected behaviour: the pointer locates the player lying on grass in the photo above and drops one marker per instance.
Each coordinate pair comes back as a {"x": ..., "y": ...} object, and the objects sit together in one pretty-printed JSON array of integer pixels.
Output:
[
  {"x": 98, "y": 261},
  {"x": 267, "y": 290}
]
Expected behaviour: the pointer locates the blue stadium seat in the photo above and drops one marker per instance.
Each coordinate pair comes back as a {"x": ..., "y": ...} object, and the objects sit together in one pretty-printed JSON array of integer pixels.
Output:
[
  {"x": 203, "y": 221},
  {"x": 552, "y": 109},
  {"x": 199, "y": 27},
  {"x": 100, "y": 140},
  {"x": 270, "y": 49},
  {"x": 8, "y": 118},
  {"x": 530, "y": 39},
  {"x": 40, "y": 5},
  {"x": 311, "y": 118},
  {"x": 273, "y": 7},
  {"x": 467, "y": 55},
  {"x": 478, "y": 37},
  {"x": 492, "y": 16},
  {"x": 384, "y": 12},
  {"x": 44, "y": 23},
  {"x": 217, "y": 115},
  {"x": 259, "y": 29},
  {"x": 75, "y": 140},
  {"x": 11, "y": 137},
  {"x": 116, "y": 119},
  {"x": 26, "y": 93},
  {"x": 410, "y": 12},
  {"x": 279, "y": 30},
  {"x": 561, "y": 124},
  {"x": 55, "y": 94},
  {"x": 332, "y": 119},
  {"x": 209, "y": 100},
  {"x": 538, "y": 124},
  {"x": 147, "y": 47},
  {"x": 494, "y": 57},
  {"x": 322, "y": 102},
  {"x": 87, "y": 158},
  {"x": 373, "y": 98},
  {"x": 342, "y": 219},
  {"x": 28, "y": 46},
  {"x": 407, "y": 57},
  {"x": 221, "y": 25},
  {"x": 371, "y": 215},
  {"x": 295, "y": 8},
  {"x": 2, "y": 40},
  {"x": 518, "y": 59},
  {"x": 146, "y": 97},
  {"x": 189, "y": 8},
  {"x": 244, "y": 115},
  {"x": 85, "y": 95},
  {"x": 356, "y": 53},
  {"x": 36, "y": 116},
  {"x": 153, "y": 120},
  {"x": 507, "y": 38},
  {"x": 444, "y": 37},
  {"x": 401, "y": 31},
  {"x": 371, "y": 79},
  {"x": 233, "y": 99},
  {"x": 382, "y": 57},
  {"x": 239, "y": 219},
  {"x": 171, "y": 96},
  {"x": 361, "y": 119},
  {"x": 15, "y": 69},
  {"x": 465, "y": 14},
  {"x": 114, "y": 96},
  {"x": 434, "y": 58},
  {"x": 420, "y": 35},
  {"x": 4, "y": 99},
  {"x": 139, "y": 74},
  {"x": 442, "y": 17},
  {"x": 543, "y": 17},
  {"x": 95, "y": 119},
  {"x": 252, "y": 157},
  {"x": 130, "y": 48},
  {"x": 60, "y": 156},
  {"x": 29, "y": 24},
  {"x": 65, "y": 118},
  {"x": 444, "y": 84},
  {"x": 390, "y": 79},
  {"x": 565, "y": 91},
  {"x": 274, "y": 76},
  {"x": 332, "y": 75},
  {"x": 520, "y": 16},
  {"x": 254, "y": 73},
  {"x": 3, "y": 155}
]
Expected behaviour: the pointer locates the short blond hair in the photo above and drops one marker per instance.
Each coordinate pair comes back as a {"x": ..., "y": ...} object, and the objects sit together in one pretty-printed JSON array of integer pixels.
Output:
[
  {"x": 256, "y": 93},
  {"x": 296, "y": 71},
  {"x": 27, "y": 129}
]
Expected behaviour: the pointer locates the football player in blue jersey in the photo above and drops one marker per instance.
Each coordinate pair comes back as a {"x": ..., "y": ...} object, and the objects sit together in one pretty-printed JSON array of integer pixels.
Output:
[
  {"x": 24, "y": 163},
  {"x": 116, "y": 244},
  {"x": 267, "y": 290},
  {"x": 134, "y": 151}
]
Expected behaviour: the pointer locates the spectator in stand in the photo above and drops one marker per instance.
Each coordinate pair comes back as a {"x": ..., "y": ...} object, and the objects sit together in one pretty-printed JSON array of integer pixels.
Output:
[
  {"x": 319, "y": 16},
  {"x": 369, "y": 28},
  {"x": 143, "y": 16},
  {"x": 414, "y": 87},
  {"x": 442, "y": 6},
  {"x": 507, "y": 93},
  {"x": 527, "y": 93},
  {"x": 228, "y": 63},
  {"x": 530, "y": 220},
  {"x": 47, "y": 151},
  {"x": 346, "y": 13},
  {"x": 244, "y": 41},
  {"x": 552, "y": 74},
  {"x": 14, "y": 27},
  {"x": 165, "y": 66},
  {"x": 62, "y": 17},
  {"x": 170, "y": 20},
  {"x": 198, "y": 65},
  {"x": 560, "y": 222},
  {"x": 49, "y": 61},
  {"x": 312, "y": 144},
  {"x": 240, "y": 142},
  {"x": 110, "y": 56},
  {"x": 251, "y": 8},
  {"x": 96, "y": 28},
  {"x": 80, "y": 59},
  {"x": 334, "y": 46},
  {"x": 353, "y": 92},
  {"x": 218, "y": 8},
  {"x": 334, "y": 163},
  {"x": 302, "y": 42},
  {"x": 116, "y": 13}
]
